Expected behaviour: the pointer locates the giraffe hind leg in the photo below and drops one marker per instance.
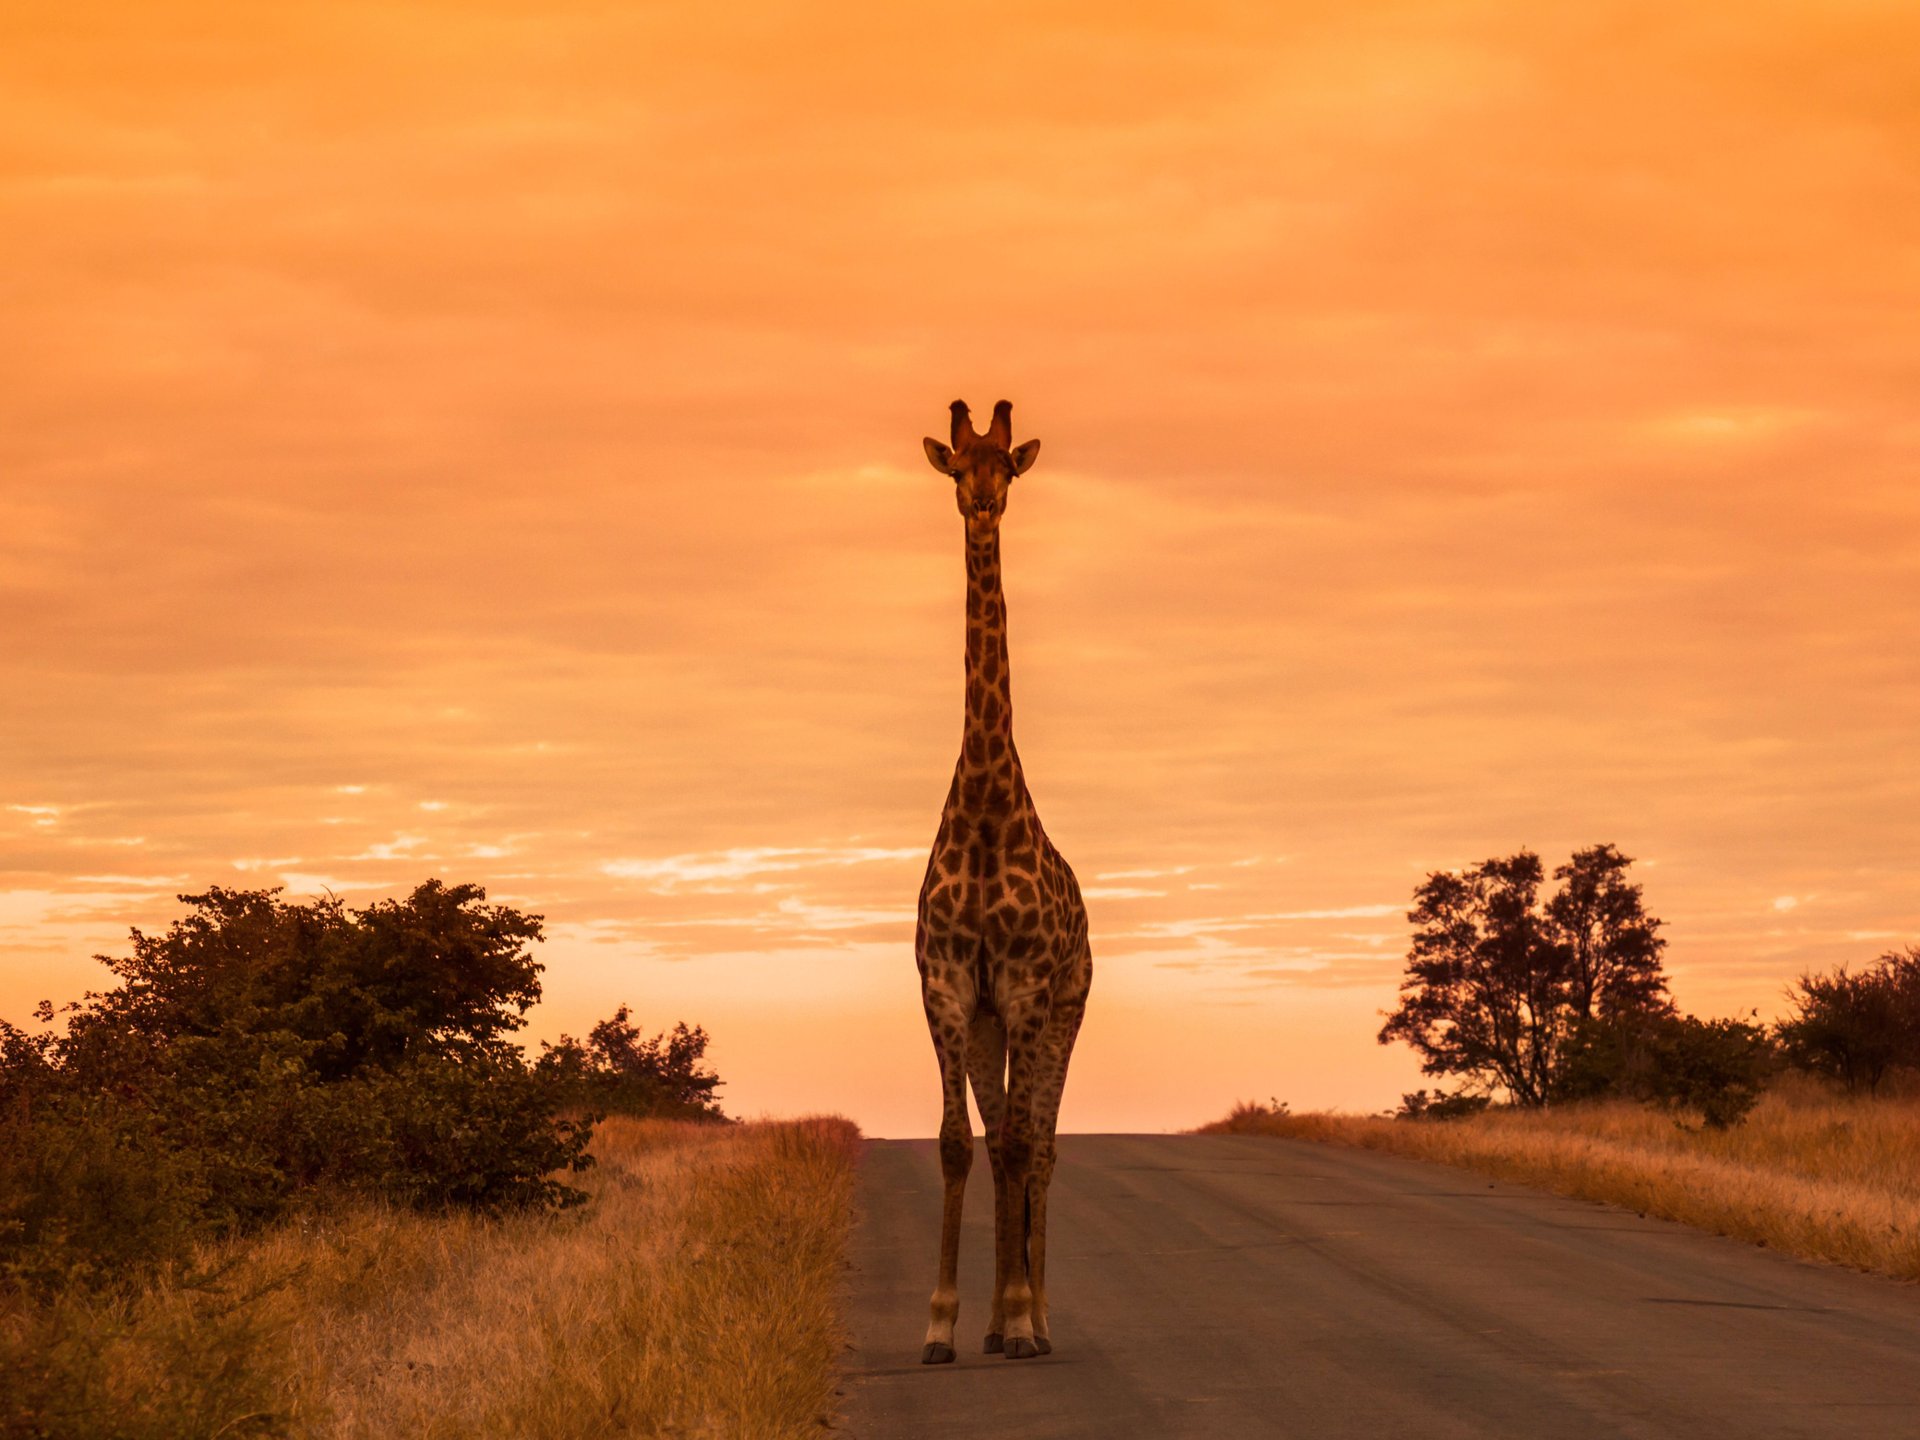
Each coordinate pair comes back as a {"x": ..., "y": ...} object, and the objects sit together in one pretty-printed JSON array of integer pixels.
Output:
[
  {"x": 1063, "y": 1027},
  {"x": 987, "y": 1069},
  {"x": 1026, "y": 1020}
]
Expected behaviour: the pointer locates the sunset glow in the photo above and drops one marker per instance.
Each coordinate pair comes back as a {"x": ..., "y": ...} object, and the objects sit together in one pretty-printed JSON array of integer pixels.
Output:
[{"x": 484, "y": 441}]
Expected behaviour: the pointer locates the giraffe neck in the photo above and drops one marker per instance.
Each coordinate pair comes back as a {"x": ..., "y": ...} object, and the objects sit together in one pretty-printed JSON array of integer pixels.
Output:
[{"x": 988, "y": 766}]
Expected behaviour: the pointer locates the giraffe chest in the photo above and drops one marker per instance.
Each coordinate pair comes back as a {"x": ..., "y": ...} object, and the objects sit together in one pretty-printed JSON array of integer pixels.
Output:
[{"x": 992, "y": 886}]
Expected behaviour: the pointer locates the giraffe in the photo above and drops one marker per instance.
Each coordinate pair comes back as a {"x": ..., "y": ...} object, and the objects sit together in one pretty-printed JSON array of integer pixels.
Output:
[{"x": 1001, "y": 942}]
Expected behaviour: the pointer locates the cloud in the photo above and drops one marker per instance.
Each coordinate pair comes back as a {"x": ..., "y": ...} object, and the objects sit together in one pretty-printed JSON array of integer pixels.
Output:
[
  {"x": 669, "y": 871},
  {"x": 1429, "y": 412}
]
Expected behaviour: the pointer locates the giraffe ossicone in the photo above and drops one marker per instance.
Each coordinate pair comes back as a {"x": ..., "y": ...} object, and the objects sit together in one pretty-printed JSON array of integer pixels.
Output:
[{"x": 1001, "y": 940}]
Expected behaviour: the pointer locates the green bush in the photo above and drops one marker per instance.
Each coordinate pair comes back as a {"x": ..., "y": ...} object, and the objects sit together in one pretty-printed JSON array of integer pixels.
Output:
[
  {"x": 620, "y": 1071},
  {"x": 93, "y": 1191},
  {"x": 1440, "y": 1105},
  {"x": 261, "y": 1056},
  {"x": 1715, "y": 1067},
  {"x": 359, "y": 989},
  {"x": 476, "y": 1131}
]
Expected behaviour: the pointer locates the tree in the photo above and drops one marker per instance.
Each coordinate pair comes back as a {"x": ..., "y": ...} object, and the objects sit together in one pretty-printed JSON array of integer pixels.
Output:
[
  {"x": 1612, "y": 945},
  {"x": 1495, "y": 980},
  {"x": 1856, "y": 1025}
]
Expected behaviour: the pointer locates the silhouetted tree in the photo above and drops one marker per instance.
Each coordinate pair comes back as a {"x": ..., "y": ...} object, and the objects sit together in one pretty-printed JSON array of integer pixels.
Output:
[
  {"x": 1612, "y": 945},
  {"x": 1495, "y": 980},
  {"x": 1856, "y": 1025},
  {"x": 621, "y": 1070}
]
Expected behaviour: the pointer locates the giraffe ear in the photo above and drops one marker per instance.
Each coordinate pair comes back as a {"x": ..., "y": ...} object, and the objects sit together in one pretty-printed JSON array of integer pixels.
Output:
[
  {"x": 938, "y": 455},
  {"x": 1024, "y": 456}
]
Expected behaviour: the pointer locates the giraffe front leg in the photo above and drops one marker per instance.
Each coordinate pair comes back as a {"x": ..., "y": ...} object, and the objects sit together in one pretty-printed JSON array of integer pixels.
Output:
[
  {"x": 996, "y": 1337},
  {"x": 956, "y": 1158},
  {"x": 987, "y": 1070},
  {"x": 1013, "y": 1220}
]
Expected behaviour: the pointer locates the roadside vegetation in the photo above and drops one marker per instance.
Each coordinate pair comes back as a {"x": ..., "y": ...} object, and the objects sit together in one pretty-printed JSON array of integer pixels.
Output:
[
  {"x": 693, "y": 1292},
  {"x": 1573, "y": 1070},
  {"x": 291, "y": 1176},
  {"x": 1811, "y": 1172}
]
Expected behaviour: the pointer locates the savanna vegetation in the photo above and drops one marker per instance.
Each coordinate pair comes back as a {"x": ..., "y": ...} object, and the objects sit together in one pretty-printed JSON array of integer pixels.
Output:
[
  {"x": 292, "y": 1175},
  {"x": 1574, "y": 1070},
  {"x": 1812, "y": 1170},
  {"x": 691, "y": 1292}
]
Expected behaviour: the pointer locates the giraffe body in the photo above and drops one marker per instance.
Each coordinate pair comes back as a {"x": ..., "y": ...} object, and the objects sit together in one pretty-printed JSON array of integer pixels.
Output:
[{"x": 1001, "y": 940}]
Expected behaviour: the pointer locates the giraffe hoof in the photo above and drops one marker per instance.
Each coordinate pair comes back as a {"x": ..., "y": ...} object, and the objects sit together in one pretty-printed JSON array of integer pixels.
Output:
[
  {"x": 1043, "y": 1345},
  {"x": 937, "y": 1354},
  {"x": 992, "y": 1347},
  {"x": 1019, "y": 1349}
]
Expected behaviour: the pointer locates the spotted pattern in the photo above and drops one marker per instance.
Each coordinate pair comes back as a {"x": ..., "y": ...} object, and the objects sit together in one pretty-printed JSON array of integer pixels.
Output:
[{"x": 1001, "y": 939}]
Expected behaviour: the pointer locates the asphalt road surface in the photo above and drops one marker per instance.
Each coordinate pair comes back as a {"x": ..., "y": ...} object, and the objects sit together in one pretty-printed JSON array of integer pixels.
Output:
[{"x": 1227, "y": 1286}]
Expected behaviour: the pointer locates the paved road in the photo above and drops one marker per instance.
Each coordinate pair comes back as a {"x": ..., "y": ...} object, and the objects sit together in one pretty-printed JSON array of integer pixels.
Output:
[{"x": 1228, "y": 1286}]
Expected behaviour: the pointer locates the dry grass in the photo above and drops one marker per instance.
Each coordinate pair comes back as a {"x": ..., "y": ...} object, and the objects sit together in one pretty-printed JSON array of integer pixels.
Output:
[
  {"x": 695, "y": 1295},
  {"x": 1810, "y": 1173}
]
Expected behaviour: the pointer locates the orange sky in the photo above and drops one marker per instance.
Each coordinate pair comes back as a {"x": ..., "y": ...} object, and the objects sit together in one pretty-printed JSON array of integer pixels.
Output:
[{"x": 483, "y": 440}]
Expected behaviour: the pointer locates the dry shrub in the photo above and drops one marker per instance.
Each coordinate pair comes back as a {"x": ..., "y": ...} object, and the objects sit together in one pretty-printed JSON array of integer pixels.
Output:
[
  {"x": 199, "y": 1357},
  {"x": 693, "y": 1295},
  {"x": 1815, "y": 1174}
]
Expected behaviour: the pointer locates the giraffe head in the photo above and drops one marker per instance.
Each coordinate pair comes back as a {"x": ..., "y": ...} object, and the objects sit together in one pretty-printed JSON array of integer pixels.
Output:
[{"x": 982, "y": 466}]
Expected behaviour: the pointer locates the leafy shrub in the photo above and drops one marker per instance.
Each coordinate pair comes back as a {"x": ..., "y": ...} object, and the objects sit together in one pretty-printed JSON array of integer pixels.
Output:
[
  {"x": 619, "y": 1071},
  {"x": 1440, "y": 1105},
  {"x": 1715, "y": 1067},
  {"x": 262, "y": 1055},
  {"x": 439, "y": 971},
  {"x": 1855, "y": 1026},
  {"x": 91, "y": 1192},
  {"x": 477, "y": 1131}
]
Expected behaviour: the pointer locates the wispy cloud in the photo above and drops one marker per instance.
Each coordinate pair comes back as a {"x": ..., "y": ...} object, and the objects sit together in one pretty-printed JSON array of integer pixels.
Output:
[
  {"x": 745, "y": 863},
  {"x": 1192, "y": 926},
  {"x": 401, "y": 847}
]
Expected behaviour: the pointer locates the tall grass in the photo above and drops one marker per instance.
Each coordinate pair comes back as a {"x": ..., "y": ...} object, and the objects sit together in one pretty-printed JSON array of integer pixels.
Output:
[
  {"x": 1812, "y": 1173},
  {"x": 693, "y": 1295}
]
